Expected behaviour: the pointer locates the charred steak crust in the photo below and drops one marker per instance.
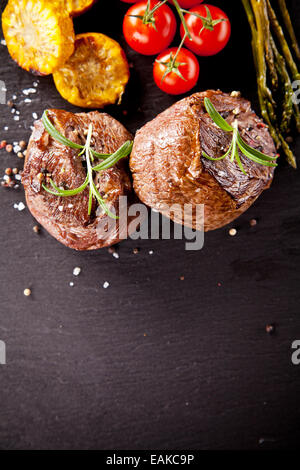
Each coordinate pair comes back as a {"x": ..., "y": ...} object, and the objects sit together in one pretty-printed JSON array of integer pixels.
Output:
[
  {"x": 168, "y": 168},
  {"x": 66, "y": 218}
]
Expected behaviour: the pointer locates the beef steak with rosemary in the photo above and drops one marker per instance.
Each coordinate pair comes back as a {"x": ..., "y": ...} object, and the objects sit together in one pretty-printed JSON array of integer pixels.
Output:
[
  {"x": 169, "y": 168},
  {"x": 75, "y": 220}
]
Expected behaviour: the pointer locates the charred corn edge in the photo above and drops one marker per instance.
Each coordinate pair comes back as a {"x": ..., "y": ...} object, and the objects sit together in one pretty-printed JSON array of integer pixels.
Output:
[
  {"x": 117, "y": 86},
  {"x": 87, "y": 4}
]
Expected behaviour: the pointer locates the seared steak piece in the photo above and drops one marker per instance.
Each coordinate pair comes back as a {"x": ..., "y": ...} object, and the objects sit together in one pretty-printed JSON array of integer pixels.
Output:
[
  {"x": 66, "y": 218},
  {"x": 168, "y": 167}
]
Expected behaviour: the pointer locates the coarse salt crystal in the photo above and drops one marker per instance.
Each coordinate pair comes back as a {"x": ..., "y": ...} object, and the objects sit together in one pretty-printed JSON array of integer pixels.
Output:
[
  {"x": 60, "y": 208},
  {"x": 27, "y": 100},
  {"x": 35, "y": 84},
  {"x": 76, "y": 271},
  {"x": 18, "y": 177},
  {"x": 27, "y": 91},
  {"x": 6, "y": 128},
  {"x": 14, "y": 97},
  {"x": 20, "y": 206},
  {"x": 70, "y": 206},
  {"x": 16, "y": 118},
  {"x": 151, "y": 252},
  {"x": 105, "y": 285},
  {"x": 17, "y": 148},
  {"x": 71, "y": 284},
  {"x": 116, "y": 255},
  {"x": 34, "y": 115},
  {"x": 3, "y": 42}
]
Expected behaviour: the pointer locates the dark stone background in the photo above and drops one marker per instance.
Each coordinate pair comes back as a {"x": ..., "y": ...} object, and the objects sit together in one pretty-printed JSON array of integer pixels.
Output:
[{"x": 152, "y": 361}]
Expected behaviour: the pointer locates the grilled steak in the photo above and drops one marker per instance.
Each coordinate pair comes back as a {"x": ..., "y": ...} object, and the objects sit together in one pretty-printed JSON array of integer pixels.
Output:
[
  {"x": 168, "y": 167},
  {"x": 66, "y": 218}
]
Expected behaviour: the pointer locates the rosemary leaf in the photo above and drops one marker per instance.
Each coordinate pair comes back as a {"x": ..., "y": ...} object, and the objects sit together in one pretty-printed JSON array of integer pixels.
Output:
[
  {"x": 216, "y": 117},
  {"x": 254, "y": 151},
  {"x": 56, "y": 134}
]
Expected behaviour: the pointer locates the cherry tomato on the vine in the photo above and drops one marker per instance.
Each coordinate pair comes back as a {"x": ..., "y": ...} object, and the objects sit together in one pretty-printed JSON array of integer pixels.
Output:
[
  {"x": 149, "y": 34},
  {"x": 187, "y": 3},
  {"x": 184, "y": 75},
  {"x": 210, "y": 34}
]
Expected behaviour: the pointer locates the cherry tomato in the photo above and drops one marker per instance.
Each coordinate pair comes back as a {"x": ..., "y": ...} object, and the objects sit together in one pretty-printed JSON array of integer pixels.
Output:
[
  {"x": 186, "y": 3},
  {"x": 205, "y": 41},
  {"x": 187, "y": 66},
  {"x": 150, "y": 38}
]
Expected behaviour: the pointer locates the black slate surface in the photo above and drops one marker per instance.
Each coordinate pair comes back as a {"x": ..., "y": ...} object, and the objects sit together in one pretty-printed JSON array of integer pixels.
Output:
[{"x": 152, "y": 361}]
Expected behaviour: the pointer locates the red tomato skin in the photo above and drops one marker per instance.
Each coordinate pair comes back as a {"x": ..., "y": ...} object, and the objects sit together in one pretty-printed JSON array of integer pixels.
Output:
[
  {"x": 129, "y": 1},
  {"x": 172, "y": 83},
  {"x": 143, "y": 38},
  {"x": 208, "y": 42},
  {"x": 187, "y": 3}
]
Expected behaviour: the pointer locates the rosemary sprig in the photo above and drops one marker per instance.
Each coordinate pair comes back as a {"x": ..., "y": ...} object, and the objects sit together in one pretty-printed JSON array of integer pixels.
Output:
[
  {"x": 51, "y": 129},
  {"x": 237, "y": 142},
  {"x": 109, "y": 160}
]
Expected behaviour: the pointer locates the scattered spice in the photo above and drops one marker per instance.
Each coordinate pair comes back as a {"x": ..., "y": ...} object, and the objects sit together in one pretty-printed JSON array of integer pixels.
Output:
[
  {"x": 3, "y": 144},
  {"x": 20, "y": 155},
  {"x": 235, "y": 94},
  {"x": 9, "y": 148},
  {"x": 261, "y": 125},
  {"x": 181, "y": 278},
  {"x": 8, "y": 171},
  {"x": 232, "y": 232},
  {"x": 111, "y": 250},
  {"x": 253, "y": 222},
  {"x": 270, "y": 329},
  {"x": 36, "y": 229},
  {"x": 40, "y": 177},
  {"x": 22, "y": 144},
  {"x": 10, "y": 103},
  {"x": 27, "y": 292},
  {"x": 15, "y": 171},
  {"x": 135, "y": 251}
]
